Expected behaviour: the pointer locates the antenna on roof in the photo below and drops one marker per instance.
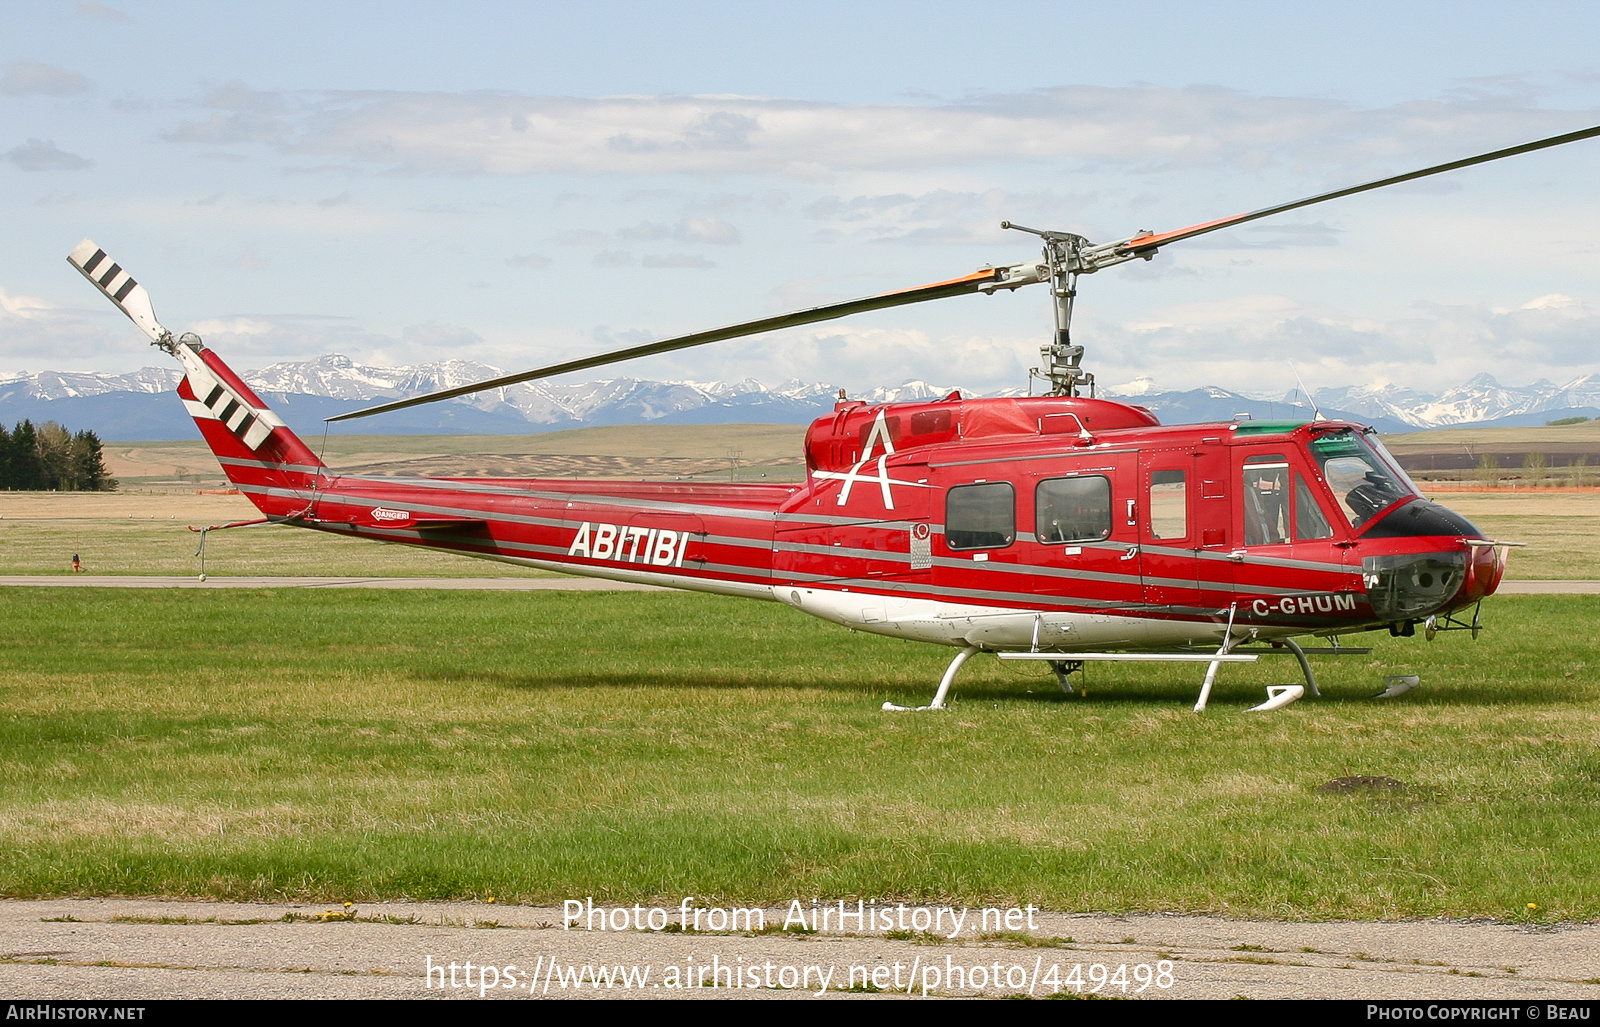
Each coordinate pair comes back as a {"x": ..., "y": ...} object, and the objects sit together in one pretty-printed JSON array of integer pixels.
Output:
[{"x": 1304, "y": 392}]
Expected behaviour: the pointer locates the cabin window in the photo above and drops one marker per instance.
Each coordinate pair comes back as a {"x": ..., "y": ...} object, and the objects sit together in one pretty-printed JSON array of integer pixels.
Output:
[
  {"x": 1266, "y": 500},
  {"x": 1073, "y": 509},
  {"x": 1169, "y": 504},
  {"x": 980, "y": 516}
]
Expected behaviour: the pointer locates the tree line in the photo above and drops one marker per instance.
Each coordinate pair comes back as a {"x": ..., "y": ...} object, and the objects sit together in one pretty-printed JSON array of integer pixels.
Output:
[{"x": 50, "y": 458}]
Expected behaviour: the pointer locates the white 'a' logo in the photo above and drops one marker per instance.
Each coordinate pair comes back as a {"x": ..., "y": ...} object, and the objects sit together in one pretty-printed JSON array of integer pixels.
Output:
[{"x": 879, "y": 433}]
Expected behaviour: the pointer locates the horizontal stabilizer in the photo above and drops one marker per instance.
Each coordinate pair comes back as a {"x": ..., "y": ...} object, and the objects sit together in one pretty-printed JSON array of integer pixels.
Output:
[{"x": 118, "y": 286}]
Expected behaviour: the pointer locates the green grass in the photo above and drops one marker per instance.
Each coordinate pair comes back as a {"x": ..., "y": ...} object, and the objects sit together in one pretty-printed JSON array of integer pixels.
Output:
[
  {"x": 762, "y": 440},
  {"x": 773, "y": 450},
  {"x": 350, "y": 745},
  {"x": 1548, "y": 436}
]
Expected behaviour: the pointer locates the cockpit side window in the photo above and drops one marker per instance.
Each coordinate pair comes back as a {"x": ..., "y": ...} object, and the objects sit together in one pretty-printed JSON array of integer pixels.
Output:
[
  {"x": 1309, "y": 523},
  {"x": 1272, "y": 514}
]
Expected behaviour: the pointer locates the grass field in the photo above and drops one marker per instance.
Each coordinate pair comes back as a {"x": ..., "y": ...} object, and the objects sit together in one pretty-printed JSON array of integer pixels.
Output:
[
  {"x": 747, "y": 452},
  {"x": 352, "y": 745},
  {"x": 1583, "y": 436},
  {"x": 1561, "y": 530},
  {"x": 168, "y": 548}
]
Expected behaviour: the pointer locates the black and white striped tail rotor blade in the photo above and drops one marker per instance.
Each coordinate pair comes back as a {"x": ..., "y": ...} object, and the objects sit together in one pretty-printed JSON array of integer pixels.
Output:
[
  {"x": 216, "y": 399},
  {"x": 119, "y": 287}
]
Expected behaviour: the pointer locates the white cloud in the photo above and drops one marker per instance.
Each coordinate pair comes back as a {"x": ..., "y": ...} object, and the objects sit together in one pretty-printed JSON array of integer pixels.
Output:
[
  {"x": 1138, "y": 128},
  {"x": 435, "y": 336},
  {"x": 858, "y": 359},
  {"x": 241, "y": 115},
  {"x": 695, "y": 230},
  {"x": 644, "y": 231},
  {"x": 25, "y": 78},
  {"x": 242, "y": 338},
  {"x": 33, "y": 328},
  {"x": 676, "y": 260},
  {"x": 1243, "y": 342},
  {"x": 706, "y": 229},
  {"x": 26, "y": 307},
  {"x": 217, "y": 213},
  {"x": 100, "y": 11},
  {"x": 45, "y": 155}
]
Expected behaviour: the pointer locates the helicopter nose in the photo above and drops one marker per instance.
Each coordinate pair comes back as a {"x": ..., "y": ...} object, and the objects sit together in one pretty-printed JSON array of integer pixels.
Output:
[
  {"x": 1486, "y": 565},
  {"x": 1411, "y": 586}
]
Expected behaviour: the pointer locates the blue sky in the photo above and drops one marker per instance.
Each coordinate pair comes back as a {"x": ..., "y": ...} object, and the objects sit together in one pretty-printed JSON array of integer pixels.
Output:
[{"x": 521, "y": 182}]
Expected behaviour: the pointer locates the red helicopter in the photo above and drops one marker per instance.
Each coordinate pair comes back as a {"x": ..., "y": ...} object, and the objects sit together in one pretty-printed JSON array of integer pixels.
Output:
[{"x": 1060, "y": 527}]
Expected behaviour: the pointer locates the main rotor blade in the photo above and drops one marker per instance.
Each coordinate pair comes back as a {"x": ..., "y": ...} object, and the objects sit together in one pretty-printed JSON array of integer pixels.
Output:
[
  {"x": 1142, "y": 244},
  {"x": 827, "y": 312}
]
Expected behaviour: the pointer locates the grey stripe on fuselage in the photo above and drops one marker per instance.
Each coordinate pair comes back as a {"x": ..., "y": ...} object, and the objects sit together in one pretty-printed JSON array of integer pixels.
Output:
[{"x": 995, "y": 566}]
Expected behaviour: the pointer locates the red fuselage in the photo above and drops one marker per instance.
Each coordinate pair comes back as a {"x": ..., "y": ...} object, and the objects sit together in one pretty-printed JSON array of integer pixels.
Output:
[{"x": 1041, "y": 523}]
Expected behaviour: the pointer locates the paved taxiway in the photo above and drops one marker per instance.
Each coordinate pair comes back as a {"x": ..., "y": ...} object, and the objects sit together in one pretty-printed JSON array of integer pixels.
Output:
[{"x": 128, "y": 949}]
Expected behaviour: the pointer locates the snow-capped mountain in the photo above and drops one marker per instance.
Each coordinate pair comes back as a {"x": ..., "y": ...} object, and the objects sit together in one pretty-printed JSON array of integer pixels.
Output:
[
  {"x": 129, "y": 407},
  {"x": 1474, "y": 402},
  {"x": 65, "y": 384},
  {"x": 608, "y": 401}
]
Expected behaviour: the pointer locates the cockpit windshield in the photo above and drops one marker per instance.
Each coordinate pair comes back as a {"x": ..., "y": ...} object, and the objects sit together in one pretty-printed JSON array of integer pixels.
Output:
[{"x": 1360, "y": 474}]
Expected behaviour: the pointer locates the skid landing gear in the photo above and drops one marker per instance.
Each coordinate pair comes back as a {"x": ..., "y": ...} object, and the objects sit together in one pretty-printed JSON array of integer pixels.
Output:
[
  {"x": 1064, "y": 670},
  {"x": 1305, "y": 667},
  {"x": 944, "y": 684}
]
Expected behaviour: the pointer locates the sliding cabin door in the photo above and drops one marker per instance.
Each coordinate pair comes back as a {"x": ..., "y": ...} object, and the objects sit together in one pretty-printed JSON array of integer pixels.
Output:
[
  {"x": 1185, "y": 532},
  {"x": 1084, "y": 545}
]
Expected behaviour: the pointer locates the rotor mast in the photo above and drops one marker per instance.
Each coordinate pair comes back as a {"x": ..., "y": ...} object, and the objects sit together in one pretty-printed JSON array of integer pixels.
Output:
[{"x": 1066, "y": 256}]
